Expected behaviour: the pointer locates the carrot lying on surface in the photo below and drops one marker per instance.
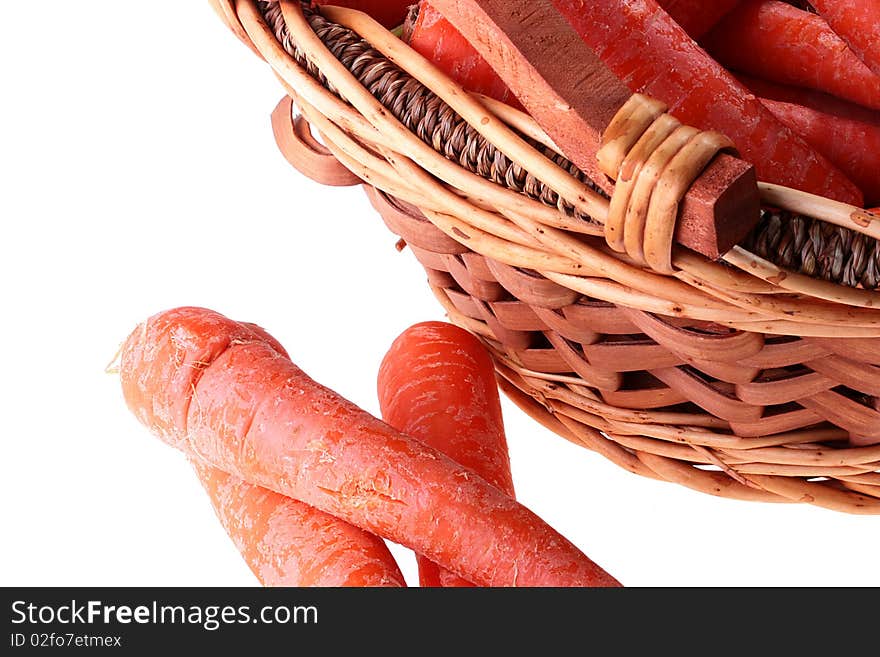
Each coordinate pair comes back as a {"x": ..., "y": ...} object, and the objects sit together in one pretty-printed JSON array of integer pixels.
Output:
[
  {"x": 202, "y": 381},
  {"x": 437, "y": 384},
  {"x": 778, "y": 42},
  {"x": 288, "y": 543},
  {"x": 858, "y": 23},
  {"x": 652, "y": 54},
  {"x": 816, "y": 100},
  {"x": 853, "y": 146},
  {"x": 697, "y": 17}
]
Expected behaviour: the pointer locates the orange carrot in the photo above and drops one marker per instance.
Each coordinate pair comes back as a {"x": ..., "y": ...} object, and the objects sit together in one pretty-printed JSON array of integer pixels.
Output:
[
  {"x": 858, "y": 23},
  {"x": 697, "y": 17},
  {"x": 778, "y": 42},
  {"x": 816, "y": 100},
  {"x": 288, "y": 543},
  {"x": 437, "y": 384},
  {"x": 651, "y": 53},
  {"x": 203, "y": 382},
  {"x": 853, "y": 146}
]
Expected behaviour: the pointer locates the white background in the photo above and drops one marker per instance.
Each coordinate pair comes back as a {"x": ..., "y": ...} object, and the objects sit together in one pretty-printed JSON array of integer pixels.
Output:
[{"x": 137, "y": 173}]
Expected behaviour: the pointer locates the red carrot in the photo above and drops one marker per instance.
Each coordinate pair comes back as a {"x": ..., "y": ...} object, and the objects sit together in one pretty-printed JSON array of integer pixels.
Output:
[
  {"x": 697, "y": 17},
  {"x": 652, "y": 54},
  {"x": 853, "y": 146},
  {"x": 437, "y": 384},
  {"x": 436, "y": 39},
  {"x": 288, "y": 543},
  {"x": 858, "y": 23},
  {"x": 204, "y": 382},
  {"x": 778, "y": 42},
  {"x": 391, "y": 13},
  {"x": 816, "y": 100}
]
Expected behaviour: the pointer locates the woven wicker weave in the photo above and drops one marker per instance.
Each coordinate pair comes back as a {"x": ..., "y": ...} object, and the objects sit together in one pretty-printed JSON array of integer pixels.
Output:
[{"x": 737, "y": 378}]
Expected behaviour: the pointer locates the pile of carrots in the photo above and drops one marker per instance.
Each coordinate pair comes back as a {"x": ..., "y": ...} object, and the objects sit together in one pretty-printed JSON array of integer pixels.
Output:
[
  {"x": 308, "y": 485},
  {"x": 797, "y": 90}
]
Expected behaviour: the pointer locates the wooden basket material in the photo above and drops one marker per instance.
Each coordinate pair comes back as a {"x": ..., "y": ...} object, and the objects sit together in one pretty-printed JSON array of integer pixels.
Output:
[{"x": 735, "y": 378}]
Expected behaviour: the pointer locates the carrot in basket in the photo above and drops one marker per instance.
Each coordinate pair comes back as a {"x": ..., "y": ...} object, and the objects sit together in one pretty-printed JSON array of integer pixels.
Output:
[
  {"x": 858, "y": 23},
  {"x": 816, "y": 100},
  {"x": 652, "y": 54},
  {"x": 697, "y": 17},
  {"x": 437, "y": 384},
  {"x": 853, "y": 146},
  {"x": 391, "y": 13},
  {"x": 288, "y": 543},
  {"x": 203, "y": 382},
  {"x": 434, "y": 37},
  {"x": 429, "y": 33},
  {"x": 778, "y": 42}
]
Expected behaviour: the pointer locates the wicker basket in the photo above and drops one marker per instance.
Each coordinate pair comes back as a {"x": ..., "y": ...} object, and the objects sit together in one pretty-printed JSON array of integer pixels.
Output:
[{"x": 739, "y": 377}]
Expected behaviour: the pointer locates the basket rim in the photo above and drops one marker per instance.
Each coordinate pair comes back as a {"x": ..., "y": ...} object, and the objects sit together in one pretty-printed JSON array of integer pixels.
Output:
[
  {"x": 747, "y": 295},
  {"x": 810, "y": 307}
]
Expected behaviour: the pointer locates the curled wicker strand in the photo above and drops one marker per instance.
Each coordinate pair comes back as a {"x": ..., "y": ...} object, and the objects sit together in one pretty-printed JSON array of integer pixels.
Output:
[{"x": 796, "y": 243}]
